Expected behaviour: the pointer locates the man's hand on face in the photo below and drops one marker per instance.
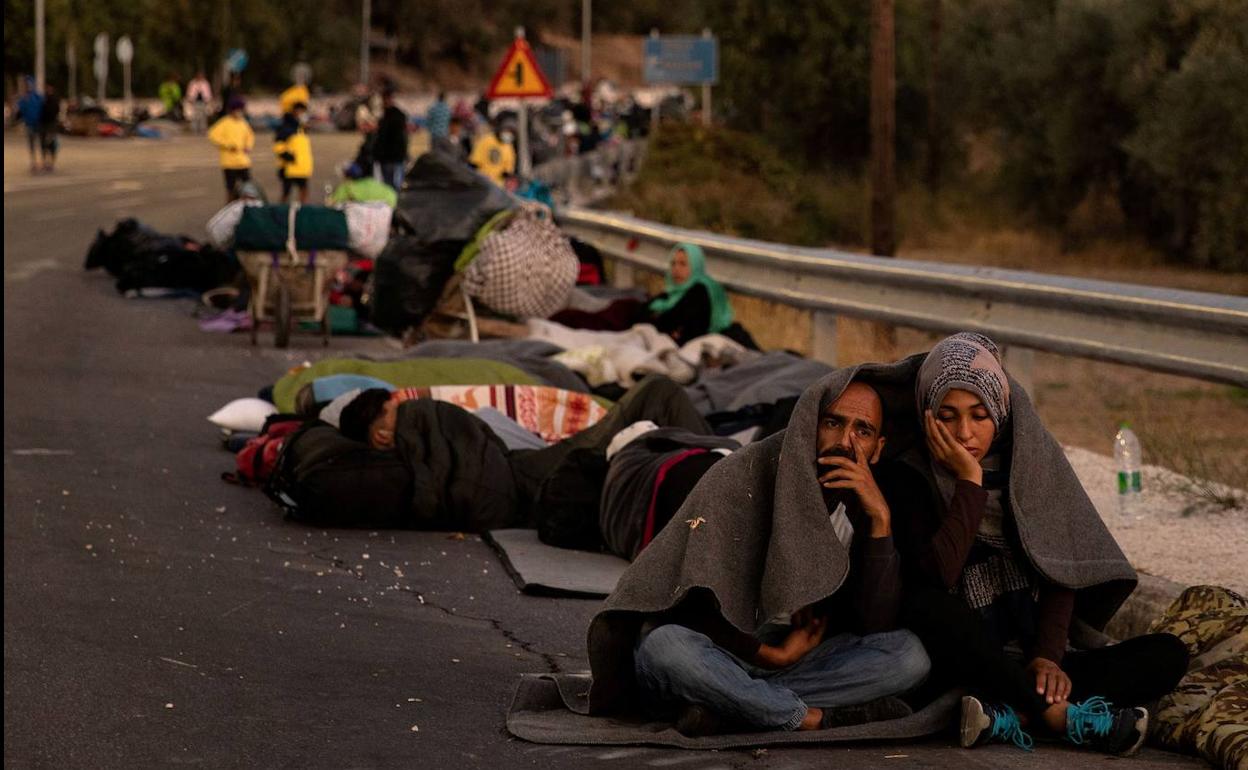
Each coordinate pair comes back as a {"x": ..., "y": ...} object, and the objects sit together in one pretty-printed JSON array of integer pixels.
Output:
[{"x": 855, "y": 474}]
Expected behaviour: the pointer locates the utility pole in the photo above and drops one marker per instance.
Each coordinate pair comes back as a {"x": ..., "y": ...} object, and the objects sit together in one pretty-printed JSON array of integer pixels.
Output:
[
  {"x": 39, "y": 40},
  {"x": 935, "y": 123},
  {"x": 883, "y": 129},
  {"x": 71, "y": 63},
  {"x": 706, "y": 91},
  {"x": 587, "y": 12},
  {"x": 365, "y": 27}
]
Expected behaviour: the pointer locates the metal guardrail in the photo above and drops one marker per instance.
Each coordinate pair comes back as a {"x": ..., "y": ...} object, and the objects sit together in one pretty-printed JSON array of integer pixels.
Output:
[
  {"x": 585, "y": 179},
  {"x": 1196, "y": 334}
]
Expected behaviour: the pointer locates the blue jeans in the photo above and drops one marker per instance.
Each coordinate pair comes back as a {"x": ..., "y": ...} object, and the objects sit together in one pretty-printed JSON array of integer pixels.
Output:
[
  {"x": 675, "y": 665},
  {"x": 391, "y": 173}
]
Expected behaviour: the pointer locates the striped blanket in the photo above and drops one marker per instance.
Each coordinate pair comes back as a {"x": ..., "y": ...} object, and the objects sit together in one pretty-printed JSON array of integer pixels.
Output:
[{"x": 552, "y": 413}]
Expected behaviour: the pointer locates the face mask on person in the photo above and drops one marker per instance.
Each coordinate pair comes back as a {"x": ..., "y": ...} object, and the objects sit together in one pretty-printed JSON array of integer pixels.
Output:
[{"x": 507, "y": 137}]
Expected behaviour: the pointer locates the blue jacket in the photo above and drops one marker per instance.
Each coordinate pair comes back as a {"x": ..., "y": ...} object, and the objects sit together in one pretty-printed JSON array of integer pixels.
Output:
[{"x": 30, "y": 108}]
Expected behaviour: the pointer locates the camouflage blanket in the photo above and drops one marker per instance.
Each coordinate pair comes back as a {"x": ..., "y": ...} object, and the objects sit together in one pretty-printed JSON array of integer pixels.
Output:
[{"x": 1207, "y": 714}]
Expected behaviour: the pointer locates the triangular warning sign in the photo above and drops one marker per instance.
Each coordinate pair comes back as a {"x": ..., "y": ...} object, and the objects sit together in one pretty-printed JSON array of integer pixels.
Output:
[{"x": 519, "y": 75}]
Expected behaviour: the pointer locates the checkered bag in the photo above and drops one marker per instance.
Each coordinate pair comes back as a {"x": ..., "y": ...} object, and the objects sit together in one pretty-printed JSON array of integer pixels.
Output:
[{"x": 526, "y": 269}]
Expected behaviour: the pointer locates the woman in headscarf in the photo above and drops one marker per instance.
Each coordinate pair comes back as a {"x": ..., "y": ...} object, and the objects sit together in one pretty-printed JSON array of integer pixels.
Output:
[
  {"x": 1002, "y": 554},
  {"x": 692, "y": 303}
]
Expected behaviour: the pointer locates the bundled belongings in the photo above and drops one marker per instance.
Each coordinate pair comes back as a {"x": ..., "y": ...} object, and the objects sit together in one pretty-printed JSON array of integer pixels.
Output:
[
  {"x": 368, "y": 227},
  {"x": 619, "y": 357},
  {"x": 266, "y": 228},
  {"x": 408, "y": 278},
  {"x": 525, "y": 267},
  {"x": 1207, "y": 714},
  {"x": 140, "y": 258},
  {"x": 223, "y": 224},
  {"x": 445, "y": 200}
]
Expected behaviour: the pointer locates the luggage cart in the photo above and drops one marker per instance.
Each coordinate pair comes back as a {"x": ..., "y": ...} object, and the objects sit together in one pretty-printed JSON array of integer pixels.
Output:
[{"x": 290, "y": 286}]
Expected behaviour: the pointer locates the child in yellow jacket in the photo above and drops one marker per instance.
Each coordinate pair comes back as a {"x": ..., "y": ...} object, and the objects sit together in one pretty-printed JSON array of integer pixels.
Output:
[
  {"x": 235, "y": 140},
  {"x": 293, "y": 149}
]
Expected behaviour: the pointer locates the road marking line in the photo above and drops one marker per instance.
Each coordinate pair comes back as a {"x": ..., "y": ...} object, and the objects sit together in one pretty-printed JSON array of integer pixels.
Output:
[
  {"x": 125, "y": 185},
  {"x": 41, "y": 452},
  {"x": 31, "y": 269}
]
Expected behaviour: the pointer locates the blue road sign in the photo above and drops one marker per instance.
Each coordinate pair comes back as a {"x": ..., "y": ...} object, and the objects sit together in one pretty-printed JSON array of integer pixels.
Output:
[
  {"x": 681, "y": 59},
  {"x": 236, "y": 60}
]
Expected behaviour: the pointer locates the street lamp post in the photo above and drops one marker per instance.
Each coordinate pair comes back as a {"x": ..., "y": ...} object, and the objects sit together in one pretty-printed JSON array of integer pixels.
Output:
[
  {"x": 587, "y": 12},
  {"x": 39, "y": 39},
  {"x": 366, "y": 24}
]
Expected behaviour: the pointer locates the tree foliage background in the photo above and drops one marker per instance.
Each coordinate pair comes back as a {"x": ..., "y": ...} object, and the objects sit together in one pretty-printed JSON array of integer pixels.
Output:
[{"x": 1137, "y": 104}]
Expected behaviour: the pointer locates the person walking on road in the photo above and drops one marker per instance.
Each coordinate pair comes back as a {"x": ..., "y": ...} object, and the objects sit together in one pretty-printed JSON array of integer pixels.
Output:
[
  {"x": 438, "y": 119},
  {"x": 49, "y": 127},
  {"x": 30, "y": 109},
  {"x": 296, "y": 94},
  {"x": 199, "y": 96},
  {"x": 294, "y": 153},
  {"x": 494, "y": 156},
  {"x": 170, "y": 94},
  {"x": 234, "y": 139},
  {"x": 390, "y": 146}
]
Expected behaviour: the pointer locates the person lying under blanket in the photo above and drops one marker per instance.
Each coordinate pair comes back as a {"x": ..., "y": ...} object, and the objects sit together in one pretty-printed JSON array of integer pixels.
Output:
[
  {"x": 771, "y": 603},
  {"x": 424, "y": 432}
]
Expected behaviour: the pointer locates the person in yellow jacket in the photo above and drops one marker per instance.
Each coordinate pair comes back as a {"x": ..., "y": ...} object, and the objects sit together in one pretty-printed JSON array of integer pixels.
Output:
[
  {"x": 293, "y": 149},
  {"x": 296, "y": 94},
  {"x": 494, "y": 156},
  {"x": 234, "y": 139}
]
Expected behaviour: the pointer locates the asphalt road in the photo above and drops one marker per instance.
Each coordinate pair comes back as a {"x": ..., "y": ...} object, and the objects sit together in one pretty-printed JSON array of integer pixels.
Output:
[{"x": 155, "y": 616}]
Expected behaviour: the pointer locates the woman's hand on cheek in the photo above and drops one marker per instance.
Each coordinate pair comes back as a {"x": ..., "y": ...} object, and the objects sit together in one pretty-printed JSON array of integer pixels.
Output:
[{"x": 949, "y": 453}]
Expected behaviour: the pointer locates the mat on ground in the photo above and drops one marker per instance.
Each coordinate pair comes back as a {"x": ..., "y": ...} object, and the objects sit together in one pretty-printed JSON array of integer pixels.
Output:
[
  {"x": 545, "y": 570},
  {"x": 554, "y": 708}
]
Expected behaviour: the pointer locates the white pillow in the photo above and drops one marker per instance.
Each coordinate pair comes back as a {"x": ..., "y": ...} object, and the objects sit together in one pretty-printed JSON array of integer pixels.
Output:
[
  {"x": 332, "y": 413},
  {"x": 243, "y": 414}
]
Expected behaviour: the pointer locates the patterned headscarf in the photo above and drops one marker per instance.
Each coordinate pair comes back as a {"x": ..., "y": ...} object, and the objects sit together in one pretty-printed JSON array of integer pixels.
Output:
[{"x": 965, "y": 361}]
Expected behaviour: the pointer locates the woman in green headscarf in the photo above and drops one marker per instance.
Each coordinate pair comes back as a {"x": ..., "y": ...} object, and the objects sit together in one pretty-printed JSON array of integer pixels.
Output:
[{"x": 693, "y": 303}]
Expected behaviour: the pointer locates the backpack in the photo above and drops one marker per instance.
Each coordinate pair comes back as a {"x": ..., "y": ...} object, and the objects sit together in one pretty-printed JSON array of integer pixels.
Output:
[
  {"x": 322, "y": 477},
  {"x": 255, "y": 462}
]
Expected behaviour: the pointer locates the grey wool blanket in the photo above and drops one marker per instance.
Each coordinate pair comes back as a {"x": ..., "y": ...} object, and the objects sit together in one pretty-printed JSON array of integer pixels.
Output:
[{"x": 755, "y": 541}]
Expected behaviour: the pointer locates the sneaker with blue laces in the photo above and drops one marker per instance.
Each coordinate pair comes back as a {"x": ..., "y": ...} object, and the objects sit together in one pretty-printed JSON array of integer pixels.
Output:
[
  {"x": 991, "y": 723},
  {"x": 1096, "y": 724}
]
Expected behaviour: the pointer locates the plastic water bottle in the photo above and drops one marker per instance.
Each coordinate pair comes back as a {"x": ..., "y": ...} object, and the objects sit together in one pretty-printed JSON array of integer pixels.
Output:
[{"x": 1127, "y": 461}]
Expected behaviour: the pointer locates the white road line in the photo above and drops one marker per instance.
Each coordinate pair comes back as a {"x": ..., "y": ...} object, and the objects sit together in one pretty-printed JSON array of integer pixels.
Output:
[
  {"x": 31, "y": 269},
  {"x": 123, "y": 203},
  {"x": 50, "y": 214},
  {"x": 196, "y": 192}
]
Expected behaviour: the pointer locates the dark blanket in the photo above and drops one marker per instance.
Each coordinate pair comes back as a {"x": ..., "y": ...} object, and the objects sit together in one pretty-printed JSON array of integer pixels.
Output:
[
  {"x": 140, "y": 258},
  {"x": 461, "y": 476},
  {"x": 628, "y": 489},
  {"x": 765, "y": 545}
]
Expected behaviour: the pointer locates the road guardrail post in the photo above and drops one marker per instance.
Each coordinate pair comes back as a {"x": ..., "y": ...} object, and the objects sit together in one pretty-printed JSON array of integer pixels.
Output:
[{"x": 823, "y": 337}]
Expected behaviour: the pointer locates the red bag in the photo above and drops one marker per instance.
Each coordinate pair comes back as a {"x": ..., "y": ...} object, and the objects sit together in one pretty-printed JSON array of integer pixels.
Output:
[{"x": 256, "y": 460}]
